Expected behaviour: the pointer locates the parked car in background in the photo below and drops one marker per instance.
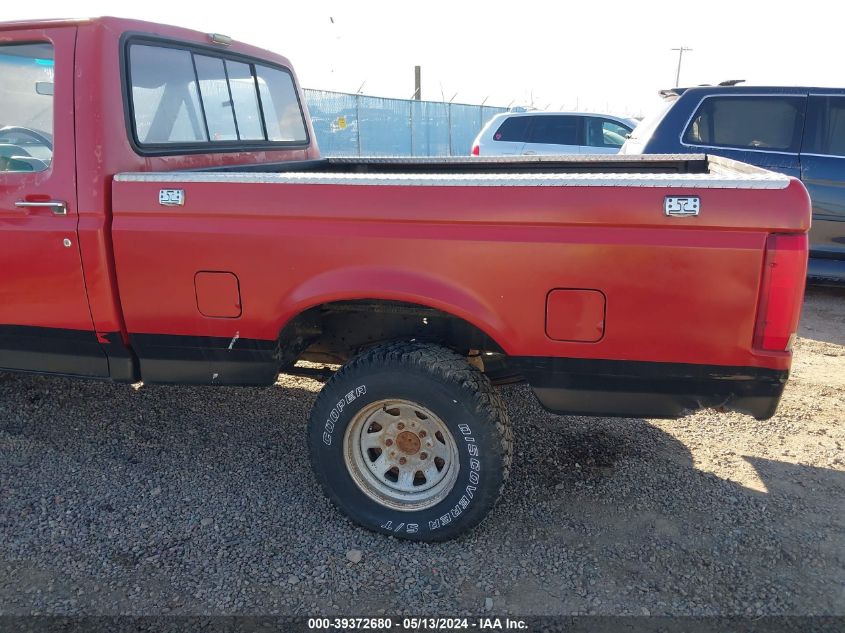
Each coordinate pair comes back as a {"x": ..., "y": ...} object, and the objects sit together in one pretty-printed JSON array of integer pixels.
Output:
[
  {"x": 796, "y": 131},
  {"x": 549, "y": 133}
]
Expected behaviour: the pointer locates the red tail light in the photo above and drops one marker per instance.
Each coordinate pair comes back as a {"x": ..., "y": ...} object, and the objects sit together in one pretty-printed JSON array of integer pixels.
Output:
[
  {"x": 476, "y": 149},
  {"x": 782, "y": 292}
]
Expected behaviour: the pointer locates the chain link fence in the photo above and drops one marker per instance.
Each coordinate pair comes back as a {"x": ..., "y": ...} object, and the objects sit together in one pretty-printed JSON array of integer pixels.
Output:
[{"x": 359, "y": 125}]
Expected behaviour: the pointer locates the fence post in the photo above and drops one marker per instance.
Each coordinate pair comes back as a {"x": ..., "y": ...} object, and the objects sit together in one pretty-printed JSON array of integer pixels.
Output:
[
  {"x": 411, "y": 124},
  {"x": 358, "y": 120},
  {"x": 449, "y": 119}
]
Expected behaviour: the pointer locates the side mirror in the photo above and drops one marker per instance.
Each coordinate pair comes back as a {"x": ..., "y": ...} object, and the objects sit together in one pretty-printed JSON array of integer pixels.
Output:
[{"x": 44, "y": 88}]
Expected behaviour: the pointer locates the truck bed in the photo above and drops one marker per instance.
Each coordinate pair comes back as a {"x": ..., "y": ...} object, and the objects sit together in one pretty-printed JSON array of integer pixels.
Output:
[{"x": 495, "y": 243}]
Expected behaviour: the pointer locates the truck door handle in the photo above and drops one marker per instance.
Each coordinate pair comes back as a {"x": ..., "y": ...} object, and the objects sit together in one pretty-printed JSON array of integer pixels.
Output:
[
  {"x": 59, "y": 207},
  {"x": 530, "y": 152}
]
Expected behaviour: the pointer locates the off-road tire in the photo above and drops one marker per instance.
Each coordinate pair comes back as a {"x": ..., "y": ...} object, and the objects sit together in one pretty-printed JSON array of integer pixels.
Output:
[{"x": 460, "y": 397}]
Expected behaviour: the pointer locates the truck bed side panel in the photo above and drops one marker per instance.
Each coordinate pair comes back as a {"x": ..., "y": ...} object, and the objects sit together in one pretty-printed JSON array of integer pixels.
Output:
[{"x": 679, "y": 290}]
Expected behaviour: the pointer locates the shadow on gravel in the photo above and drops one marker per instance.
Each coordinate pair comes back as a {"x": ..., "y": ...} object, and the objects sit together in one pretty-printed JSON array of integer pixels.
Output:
[
  {"x": 201, "y": 500},
  {"x": 823, "y": 316},
  {"x": 622, "y": 502}
]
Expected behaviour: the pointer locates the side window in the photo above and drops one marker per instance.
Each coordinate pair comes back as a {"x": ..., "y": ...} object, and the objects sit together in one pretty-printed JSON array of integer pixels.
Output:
[
  {"x": 179, "y": 96},
  {"x": 826, "y": 126},
  {"x": 605, "y": 133},
  {"x": 26, "y": 107},
  {"x": 216, "y": 100},
  {"x": 773, "y": 123},
  {"x": 556, "y": 130},
  {"x": 513, "y": 129},
  {"x": 245, "y": 101},
  {"x": 165, "y": 97},
  {"x": 282, "y": 114}
]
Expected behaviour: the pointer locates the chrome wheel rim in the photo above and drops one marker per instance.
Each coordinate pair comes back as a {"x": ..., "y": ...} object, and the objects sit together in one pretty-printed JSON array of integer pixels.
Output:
[{"x": 401, "y": 455}]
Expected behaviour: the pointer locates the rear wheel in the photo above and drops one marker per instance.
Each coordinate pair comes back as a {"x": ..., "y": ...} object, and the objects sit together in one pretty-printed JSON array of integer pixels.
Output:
[{"x": 411, "y": 440}]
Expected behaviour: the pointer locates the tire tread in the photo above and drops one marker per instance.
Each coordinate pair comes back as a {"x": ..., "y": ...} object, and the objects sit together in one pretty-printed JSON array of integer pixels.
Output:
[{"x": 448, "y": 367}]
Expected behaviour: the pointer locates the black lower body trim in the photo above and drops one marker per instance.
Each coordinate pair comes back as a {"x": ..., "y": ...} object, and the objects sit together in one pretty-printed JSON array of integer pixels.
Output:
[
  {"x": 563, "y": 385},
  {"x": 647, "y": 389},
  {"x": 52, "y": 351},
  {"x": 204, "y": 360},
  {"x": 123, "y": 366},
  {"x": 159, "y": 358}
]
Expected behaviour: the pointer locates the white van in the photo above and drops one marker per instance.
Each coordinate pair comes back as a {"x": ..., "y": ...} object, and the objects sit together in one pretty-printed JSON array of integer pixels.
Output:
[{"x": 549, "y": 133}]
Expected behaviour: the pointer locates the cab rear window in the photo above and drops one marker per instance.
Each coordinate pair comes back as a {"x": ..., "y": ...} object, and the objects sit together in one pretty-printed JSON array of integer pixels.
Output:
[{"x": 181, "y": 97}]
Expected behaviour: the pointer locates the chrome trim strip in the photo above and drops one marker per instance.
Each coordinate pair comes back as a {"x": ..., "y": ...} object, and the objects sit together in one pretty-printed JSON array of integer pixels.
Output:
[
  {"x": 59, "y": 207},
  {"x": 721, "y": 178},
  {"x": 822, "y": 155},
  {"x": 730, "y": 148}
]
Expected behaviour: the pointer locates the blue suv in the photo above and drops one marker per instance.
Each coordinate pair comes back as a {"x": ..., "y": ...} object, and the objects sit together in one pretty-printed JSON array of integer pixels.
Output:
[{"x": 796, "y": 131}]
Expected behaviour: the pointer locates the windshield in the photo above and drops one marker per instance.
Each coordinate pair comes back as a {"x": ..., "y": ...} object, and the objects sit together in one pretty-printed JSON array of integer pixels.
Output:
[{"x": 642, "y": 133}]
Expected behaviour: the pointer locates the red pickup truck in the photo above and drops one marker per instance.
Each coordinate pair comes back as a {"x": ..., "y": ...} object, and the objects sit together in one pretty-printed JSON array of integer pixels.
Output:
[{"x": 165, "y": 217}]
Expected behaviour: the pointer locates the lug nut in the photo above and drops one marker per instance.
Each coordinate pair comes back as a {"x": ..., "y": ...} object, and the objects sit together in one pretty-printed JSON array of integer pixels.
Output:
[
  {"x": 422, "y": 433},
  {"x": 402, "y": 460},
  {"x": 423, "y": 455},
  {"x": 388, "y": 442},
  {"x": 400, "y": 426}
]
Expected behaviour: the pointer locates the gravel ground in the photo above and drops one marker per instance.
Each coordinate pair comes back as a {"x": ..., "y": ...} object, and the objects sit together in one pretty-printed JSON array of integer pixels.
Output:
[{"x": 124, "y": 500}]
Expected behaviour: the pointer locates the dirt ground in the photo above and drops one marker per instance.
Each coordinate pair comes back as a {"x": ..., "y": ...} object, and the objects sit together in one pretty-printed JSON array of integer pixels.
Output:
[{"x": 199, "y": 500}]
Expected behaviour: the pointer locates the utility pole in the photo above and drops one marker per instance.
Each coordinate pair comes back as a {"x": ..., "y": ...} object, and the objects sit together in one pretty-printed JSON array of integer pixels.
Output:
[
  {"x": 681, "y": 51},
  {"x": 417, "y": 83}
]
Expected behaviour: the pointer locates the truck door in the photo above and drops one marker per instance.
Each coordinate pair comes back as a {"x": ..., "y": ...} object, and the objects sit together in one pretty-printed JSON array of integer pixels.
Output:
[
  {"x": 823, "y": 172},
  {"x": 45, "y": 324}
]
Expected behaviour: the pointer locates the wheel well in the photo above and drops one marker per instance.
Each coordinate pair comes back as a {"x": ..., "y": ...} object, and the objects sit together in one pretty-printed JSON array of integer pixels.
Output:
[{"x": 335, "y": 332}]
